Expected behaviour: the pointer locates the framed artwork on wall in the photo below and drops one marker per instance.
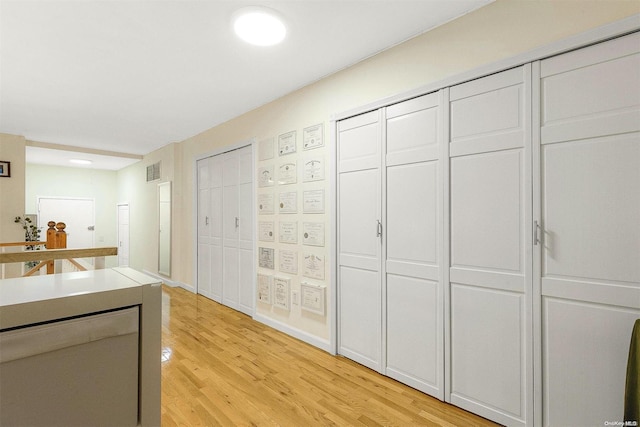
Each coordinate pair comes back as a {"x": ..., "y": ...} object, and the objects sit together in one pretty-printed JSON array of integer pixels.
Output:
[{"x": 5, "y": 169}]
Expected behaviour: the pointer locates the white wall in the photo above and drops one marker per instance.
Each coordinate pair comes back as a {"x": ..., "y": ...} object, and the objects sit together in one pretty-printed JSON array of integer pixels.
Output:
[{"x": 100, "y": 185}]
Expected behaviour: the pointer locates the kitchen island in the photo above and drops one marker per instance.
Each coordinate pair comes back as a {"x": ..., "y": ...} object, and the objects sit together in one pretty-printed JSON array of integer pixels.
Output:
[{"x": 80, "y": 348}]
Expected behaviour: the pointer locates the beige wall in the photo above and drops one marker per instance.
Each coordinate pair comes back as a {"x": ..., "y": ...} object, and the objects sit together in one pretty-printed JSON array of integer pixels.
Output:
[{"x": 12, "y": 194}]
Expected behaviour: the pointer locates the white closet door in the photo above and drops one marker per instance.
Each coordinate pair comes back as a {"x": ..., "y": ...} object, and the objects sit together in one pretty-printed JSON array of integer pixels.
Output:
[
  {"x": 590, "y": 214},
  {"x": 204, "y": 229},
  {"x": 215, "y": 246},
  {"x": 490, "y": 273},
  {"x": 230, "y": 221},
  {"x": 225, "y": 230},
  {"x": 359, "y": 224},
  {"x": 414, "y": 291},
  {"x": 246, "y": 286}
]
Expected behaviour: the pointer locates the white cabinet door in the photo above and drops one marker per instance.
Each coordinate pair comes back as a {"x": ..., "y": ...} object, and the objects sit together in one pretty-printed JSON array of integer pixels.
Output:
[
  {"x": 490, "y": 264},
  {"x": 359, "y": 226},
  {"x": 413, "y": 236},
  {"x": 589, "y": 209}
]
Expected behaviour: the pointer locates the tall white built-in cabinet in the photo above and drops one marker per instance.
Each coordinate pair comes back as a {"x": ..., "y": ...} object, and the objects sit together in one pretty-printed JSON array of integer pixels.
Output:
[
  {"x": 225, "y": 260},
  {"x": 488, "y": 238}
]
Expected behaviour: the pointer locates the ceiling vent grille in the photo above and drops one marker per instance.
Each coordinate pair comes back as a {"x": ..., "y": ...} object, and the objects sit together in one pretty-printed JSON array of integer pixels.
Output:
[{"x": 153, "y": 172}]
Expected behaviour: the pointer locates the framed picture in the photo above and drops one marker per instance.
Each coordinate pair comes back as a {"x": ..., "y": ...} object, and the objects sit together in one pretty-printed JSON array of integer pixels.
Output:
[
  {"x": 312, "y": 298},
  {"x": 5, "y": 169},
  {"x": 281, "y": 290}
]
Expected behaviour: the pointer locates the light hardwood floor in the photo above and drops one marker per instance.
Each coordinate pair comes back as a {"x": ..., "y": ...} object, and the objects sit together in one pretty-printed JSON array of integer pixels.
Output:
[{"x": 224, "y": 369}]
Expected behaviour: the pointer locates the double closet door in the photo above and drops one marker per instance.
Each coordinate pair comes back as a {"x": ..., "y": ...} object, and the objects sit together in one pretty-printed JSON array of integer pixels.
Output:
[
  {"x": 390, "y": 229},
  {"x": 225, "y": 229},
  {"x": 489, "y": 238}
]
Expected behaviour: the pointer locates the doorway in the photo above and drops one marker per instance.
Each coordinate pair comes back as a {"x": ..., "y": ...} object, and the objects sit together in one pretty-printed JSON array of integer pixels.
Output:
[
  {"x": 123, "y": 234},
  {"x": 78, "y": 214}
]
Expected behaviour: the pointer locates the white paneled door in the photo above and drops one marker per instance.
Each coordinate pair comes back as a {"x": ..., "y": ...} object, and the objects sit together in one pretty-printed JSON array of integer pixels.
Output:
[
  {"x": 490, "y": 231},
  {"x": 412, "y": 241},
  {"x": 359, "y": 236},
  {"x": 588, "y": 209},
  {"x": 225, "y": 230}
]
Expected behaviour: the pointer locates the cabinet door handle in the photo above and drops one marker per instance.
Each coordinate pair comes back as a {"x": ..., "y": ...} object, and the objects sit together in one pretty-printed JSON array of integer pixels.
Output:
[
  {"x": 379, "y": 229},
  {"x": 206, "y": 220},
  {"x": 536, "y": 233},
  {"x": 237, "y": 222}
]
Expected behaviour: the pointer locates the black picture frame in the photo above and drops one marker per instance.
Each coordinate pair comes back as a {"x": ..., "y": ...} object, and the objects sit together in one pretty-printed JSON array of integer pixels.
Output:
[{"x": 5, "y": 169}]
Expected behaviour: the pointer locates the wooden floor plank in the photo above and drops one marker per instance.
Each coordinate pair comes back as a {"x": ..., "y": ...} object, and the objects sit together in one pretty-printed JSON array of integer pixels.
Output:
[{"x": 223, "y": 368}]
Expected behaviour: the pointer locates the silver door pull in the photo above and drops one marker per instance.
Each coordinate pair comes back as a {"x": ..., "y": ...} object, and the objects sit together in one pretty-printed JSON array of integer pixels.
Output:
[
  {"x": 237, "y": 222},
  {"x": 379, "y": 232},
  {"x": 206, "y": 220},
  {"x": 536, "y": 233}
]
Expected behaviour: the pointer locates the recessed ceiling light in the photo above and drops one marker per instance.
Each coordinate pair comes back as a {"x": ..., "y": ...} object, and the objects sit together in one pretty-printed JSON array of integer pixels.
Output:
[
  {"x": 81, "y": 161},
  {"x": 259, "y": 26}
]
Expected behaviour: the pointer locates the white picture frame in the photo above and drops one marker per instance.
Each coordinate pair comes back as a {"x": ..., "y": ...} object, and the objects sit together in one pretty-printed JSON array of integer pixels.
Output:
[
  {"x": 287, "y": 143},
  {"x": 265, "y": 283},
  {"x": 312, "y": 298},
  {"x": 313, "y": 137},
  {"x": 282, "y": 293}
]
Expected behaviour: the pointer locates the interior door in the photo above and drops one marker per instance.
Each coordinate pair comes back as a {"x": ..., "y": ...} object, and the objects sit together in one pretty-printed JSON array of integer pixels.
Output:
[
  {"x": 246, "y": 294},
  {"x": 78, "y": 215},
  {"x": 216, "y": 266},
  {"x": 589, "y": 213},
  {"x": 413, "y": 219},
  {"x": 123, "y": 235},
  {"x": 359, "y": 240},
  {"x": 490, "y": 228},
  {"x": 204, "y": 229},
  {"x": 230, "y": 229}
]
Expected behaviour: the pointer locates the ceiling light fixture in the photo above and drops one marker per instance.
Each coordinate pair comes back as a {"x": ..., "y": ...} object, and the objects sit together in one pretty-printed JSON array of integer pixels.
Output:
[
  {"x": 81, "y": 161},
  {"x": 259, "y": 26}
]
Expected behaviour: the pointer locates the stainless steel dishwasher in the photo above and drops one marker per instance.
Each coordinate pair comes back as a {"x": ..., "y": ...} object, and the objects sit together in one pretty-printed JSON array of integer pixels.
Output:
[{"x": 76, "y": 372}]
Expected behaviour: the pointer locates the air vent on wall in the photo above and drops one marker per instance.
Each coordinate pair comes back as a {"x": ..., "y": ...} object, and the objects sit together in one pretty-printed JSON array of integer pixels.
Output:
[{"x": 153, "y": 172}]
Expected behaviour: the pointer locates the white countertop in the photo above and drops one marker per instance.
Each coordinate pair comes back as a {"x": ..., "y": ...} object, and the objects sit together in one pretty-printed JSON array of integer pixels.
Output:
[{"x": 35, "y": 299}]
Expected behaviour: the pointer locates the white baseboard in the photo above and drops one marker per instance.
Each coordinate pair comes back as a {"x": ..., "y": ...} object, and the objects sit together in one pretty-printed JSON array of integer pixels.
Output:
[
  {"x": 170, "y": 282},
  {"x": 294, "y": 332}
]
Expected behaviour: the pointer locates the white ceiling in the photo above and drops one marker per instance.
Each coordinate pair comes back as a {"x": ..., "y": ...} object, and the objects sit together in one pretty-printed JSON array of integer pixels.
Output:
[{"x": 131, "y": 76}]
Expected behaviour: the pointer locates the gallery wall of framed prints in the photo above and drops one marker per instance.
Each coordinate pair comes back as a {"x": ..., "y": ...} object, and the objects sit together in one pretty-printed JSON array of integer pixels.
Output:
[{"x": 293, "y": 222}]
